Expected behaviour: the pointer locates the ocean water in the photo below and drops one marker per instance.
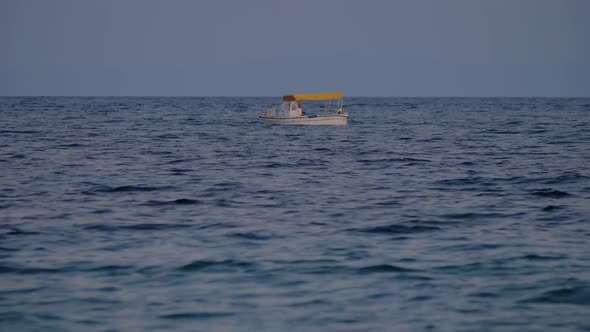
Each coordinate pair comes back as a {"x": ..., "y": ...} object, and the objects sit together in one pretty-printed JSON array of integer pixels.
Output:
[{"x": 187, "y": 214}]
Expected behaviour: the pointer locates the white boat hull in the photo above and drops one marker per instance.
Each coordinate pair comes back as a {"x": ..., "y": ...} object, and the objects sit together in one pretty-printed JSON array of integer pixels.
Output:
[{"x": 329, "y": 120}]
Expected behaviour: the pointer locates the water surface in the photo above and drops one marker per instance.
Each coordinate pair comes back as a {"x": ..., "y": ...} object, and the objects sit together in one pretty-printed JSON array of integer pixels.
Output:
[{"x": 188, "y": 214}]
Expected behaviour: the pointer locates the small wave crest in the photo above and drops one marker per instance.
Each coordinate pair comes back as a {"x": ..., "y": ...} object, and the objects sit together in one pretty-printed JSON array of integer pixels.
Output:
[
  {"x": 579, "y": 295},
  {"x": 383, "y": 268},
  {"x": 136, "y": 227},
  {"x": 195, "y": 315},
  {"x": 211, "y": 265},
  {"x": 549, "y": 193},
  {"x": 123, "y": 189},
  {"x": 398, "y": 229},
  {"x": 180, "y": 201}
]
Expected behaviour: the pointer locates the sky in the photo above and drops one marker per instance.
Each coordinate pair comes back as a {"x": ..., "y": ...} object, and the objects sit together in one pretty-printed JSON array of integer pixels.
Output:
[{"x": 468, "y": 48}]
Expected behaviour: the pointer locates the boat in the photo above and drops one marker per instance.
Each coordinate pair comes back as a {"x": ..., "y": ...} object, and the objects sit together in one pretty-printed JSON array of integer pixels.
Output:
[{"x": 290, "y": 112}]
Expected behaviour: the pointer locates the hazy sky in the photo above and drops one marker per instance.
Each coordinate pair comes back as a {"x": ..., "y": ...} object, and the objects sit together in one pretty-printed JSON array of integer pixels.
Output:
[{"x": 274, "y": 47}]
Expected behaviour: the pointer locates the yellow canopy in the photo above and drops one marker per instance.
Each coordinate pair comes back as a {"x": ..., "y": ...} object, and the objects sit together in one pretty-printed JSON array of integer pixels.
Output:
[{"x": 314, "y": 96}]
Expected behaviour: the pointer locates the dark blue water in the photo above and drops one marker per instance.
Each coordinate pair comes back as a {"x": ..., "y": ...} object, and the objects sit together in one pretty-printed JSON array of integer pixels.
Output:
[{"x": 188, "y": 214}]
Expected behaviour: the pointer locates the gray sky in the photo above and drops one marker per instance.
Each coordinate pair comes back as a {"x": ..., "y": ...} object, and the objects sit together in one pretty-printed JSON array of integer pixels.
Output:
[{"x": 274, "y": 47}]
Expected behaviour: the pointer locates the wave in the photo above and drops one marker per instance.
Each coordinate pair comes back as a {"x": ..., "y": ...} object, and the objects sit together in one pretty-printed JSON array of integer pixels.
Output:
[
  {"x": 209, "y": 265},
  {"x": 475, "y": 215},
  {"x": 19, "y": 232},
  {"x": 549, "y": 208},
  {"x": 253, "y": 236},
  {"x": 30, "y": 270},
  {"x": 383, "y": 268},
  {"x": 20, "y": 132},
  {"x": 123, "y": 189},
  {"x": 393, "y": 160},
  {"x": 196, "y": 315},
  {"x": 578, "y": 295},
  {"x": 566, "y": 178},
  {"x": 398, "y": 229},
  {"x": 180, "y": 201},
  {"x": 549, "y": 193},
  {"x": 137, "y": 227}
]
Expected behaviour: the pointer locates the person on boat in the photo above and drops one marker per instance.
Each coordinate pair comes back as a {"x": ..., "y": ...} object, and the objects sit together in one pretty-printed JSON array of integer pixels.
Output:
[
  {"x": 285, "y": 110},
  {"x": 290, "y": 110},
  {"x": 301, "y": 113},
  {"x": 295, "y": 110}
]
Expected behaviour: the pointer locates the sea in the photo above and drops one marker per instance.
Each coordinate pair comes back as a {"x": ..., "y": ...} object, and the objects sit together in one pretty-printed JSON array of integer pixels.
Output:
[{"x": 189, "y": 214}]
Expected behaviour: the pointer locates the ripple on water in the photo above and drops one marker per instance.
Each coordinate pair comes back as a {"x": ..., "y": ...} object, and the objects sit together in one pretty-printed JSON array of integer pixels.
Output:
[
  {"x": 550, "y": 208},
  {"x": 478, "y": 215},
  {"x": 579, "y": 295},
  {"x": 180, "y": 201},
  {"x": 384, "y": 268},
  {"x": 549, "y": 193},
  {"x": 398, "y": 229},
  {"x": 136, "y": 227},
  {"x": 123, "y": 189},
  {"x": 195, "y": 315},
  {"x": 567, "y": 178},
  {"x": 256, "y": 236},
  {"x": 13, "y": 231},
  {"x": 5, "y": 269},
  {"x": 216, "y": 266}
]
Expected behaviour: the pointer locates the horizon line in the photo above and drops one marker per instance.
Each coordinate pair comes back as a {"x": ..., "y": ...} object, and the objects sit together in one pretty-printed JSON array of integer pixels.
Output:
[{"x": 276, "y": 96}]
